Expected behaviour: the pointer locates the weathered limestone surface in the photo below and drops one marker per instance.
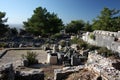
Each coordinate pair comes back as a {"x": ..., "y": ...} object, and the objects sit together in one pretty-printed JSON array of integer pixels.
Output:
[
  {"x": 7, "y": 72},
  {"x": 52, "y": 58},
  {"x": 15, "y": 57},
  {"x": 34, "y": 74},
  {"x": 60, "y": 74},
  {"x": 103, "y": 66},
  {"x": 104, "y": 39}
]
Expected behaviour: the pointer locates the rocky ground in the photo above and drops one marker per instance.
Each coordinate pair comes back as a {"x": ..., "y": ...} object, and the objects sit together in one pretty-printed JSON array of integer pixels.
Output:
[
  {"x": 49, "y": 71},
  {"x": 46, "y": 68},
  {"x": 82, "y": 75},
  {"x": 14, "y": 56}
]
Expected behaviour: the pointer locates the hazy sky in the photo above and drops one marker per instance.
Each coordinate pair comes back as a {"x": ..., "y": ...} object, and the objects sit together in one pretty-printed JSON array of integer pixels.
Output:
[{"x": 18, "y": 11}]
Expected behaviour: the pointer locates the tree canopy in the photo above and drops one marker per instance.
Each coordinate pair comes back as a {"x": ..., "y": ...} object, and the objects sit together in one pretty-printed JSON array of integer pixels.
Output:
[
  {"x": 14, "y": 31},
  {"x": 3, "y": 26},
  {"x": 88, "y": 26},
  {"x": 43, "y": 22},
  {"x": 75, "y": 26},
  {"x": 108, "y": 20},
  {"x": 78, "y": 25}
]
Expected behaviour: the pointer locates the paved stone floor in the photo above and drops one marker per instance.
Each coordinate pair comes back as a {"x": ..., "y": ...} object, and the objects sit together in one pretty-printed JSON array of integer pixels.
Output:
[{"x": 14, "y": 56}]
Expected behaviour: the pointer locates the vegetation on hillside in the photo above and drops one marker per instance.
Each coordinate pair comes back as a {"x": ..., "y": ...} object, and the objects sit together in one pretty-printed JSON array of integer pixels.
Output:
[
  {"x": 103, "y": 51},
  {"x": 78, "y": 25},
  {"x": 3, "y": 26},
  {"x": 82, "y": 44},
  {"x": 43, "y": 22},
  {"x": 108, "y": 20}
]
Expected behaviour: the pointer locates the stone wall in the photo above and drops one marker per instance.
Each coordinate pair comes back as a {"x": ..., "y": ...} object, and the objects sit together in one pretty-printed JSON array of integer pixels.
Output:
[{"x": 104, "y": 39}]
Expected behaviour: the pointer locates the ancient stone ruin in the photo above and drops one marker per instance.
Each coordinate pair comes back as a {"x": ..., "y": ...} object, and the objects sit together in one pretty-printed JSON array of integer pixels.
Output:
[
  {"x": 103, "y": 66},
  {"x": 108, "y": 39},
  {"x": 68, "y": 58},
  {"x": 7, "y": 72}
]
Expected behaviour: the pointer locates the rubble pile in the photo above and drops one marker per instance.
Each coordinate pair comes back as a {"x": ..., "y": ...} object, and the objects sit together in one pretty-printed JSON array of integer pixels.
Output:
[
  {"x": 7, "y": 72},
  {"x": 103, "y": 66}
]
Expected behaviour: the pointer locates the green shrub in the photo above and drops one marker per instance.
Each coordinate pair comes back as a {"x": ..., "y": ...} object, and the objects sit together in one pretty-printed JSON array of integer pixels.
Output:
[
  {"x": 2, "y": 45},
  {"x": 92, "y": 36},
  {"x": 74, "y": 40},
  {"x": 80, "y": 42},
  {"x": 92, "y": 47},
  {"x": 105, "y": 52},
  {"x": 83, "y": 45},
  {"x": 31, "y": 57},
  {"x": 56, "y": 36},
  {"x": 62, "y": 43}
]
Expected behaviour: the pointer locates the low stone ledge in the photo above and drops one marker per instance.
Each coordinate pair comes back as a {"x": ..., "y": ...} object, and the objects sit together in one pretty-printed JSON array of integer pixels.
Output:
[
  {"x": 60, "y": 74},
  {"x": 34, "y": 74}
]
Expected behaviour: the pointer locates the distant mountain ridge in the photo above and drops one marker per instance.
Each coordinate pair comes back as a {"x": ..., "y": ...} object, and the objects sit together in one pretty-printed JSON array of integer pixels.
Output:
[{"x": 17, "y": 26}]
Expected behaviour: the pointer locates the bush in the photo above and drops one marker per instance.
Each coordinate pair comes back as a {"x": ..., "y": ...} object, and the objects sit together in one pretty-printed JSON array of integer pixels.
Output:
[
  {"x": 62, "y": 43},
  {"x": 56, "y": 36},
  {"x": 75, "y": 40},
  {"x": 2, "y": 45},
  {"x": 105, "y": 52},
  {"x": 80, "y": 42},
  {"x": 83, "y": 45},
  {"x": 31, "y": 58},
  {"x": 92, "y": 36},
  {"x": 92, "y": 47}
]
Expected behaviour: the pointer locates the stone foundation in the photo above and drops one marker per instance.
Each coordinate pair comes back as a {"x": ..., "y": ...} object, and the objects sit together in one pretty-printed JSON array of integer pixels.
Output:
[{"x": 7, "y": 72}]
